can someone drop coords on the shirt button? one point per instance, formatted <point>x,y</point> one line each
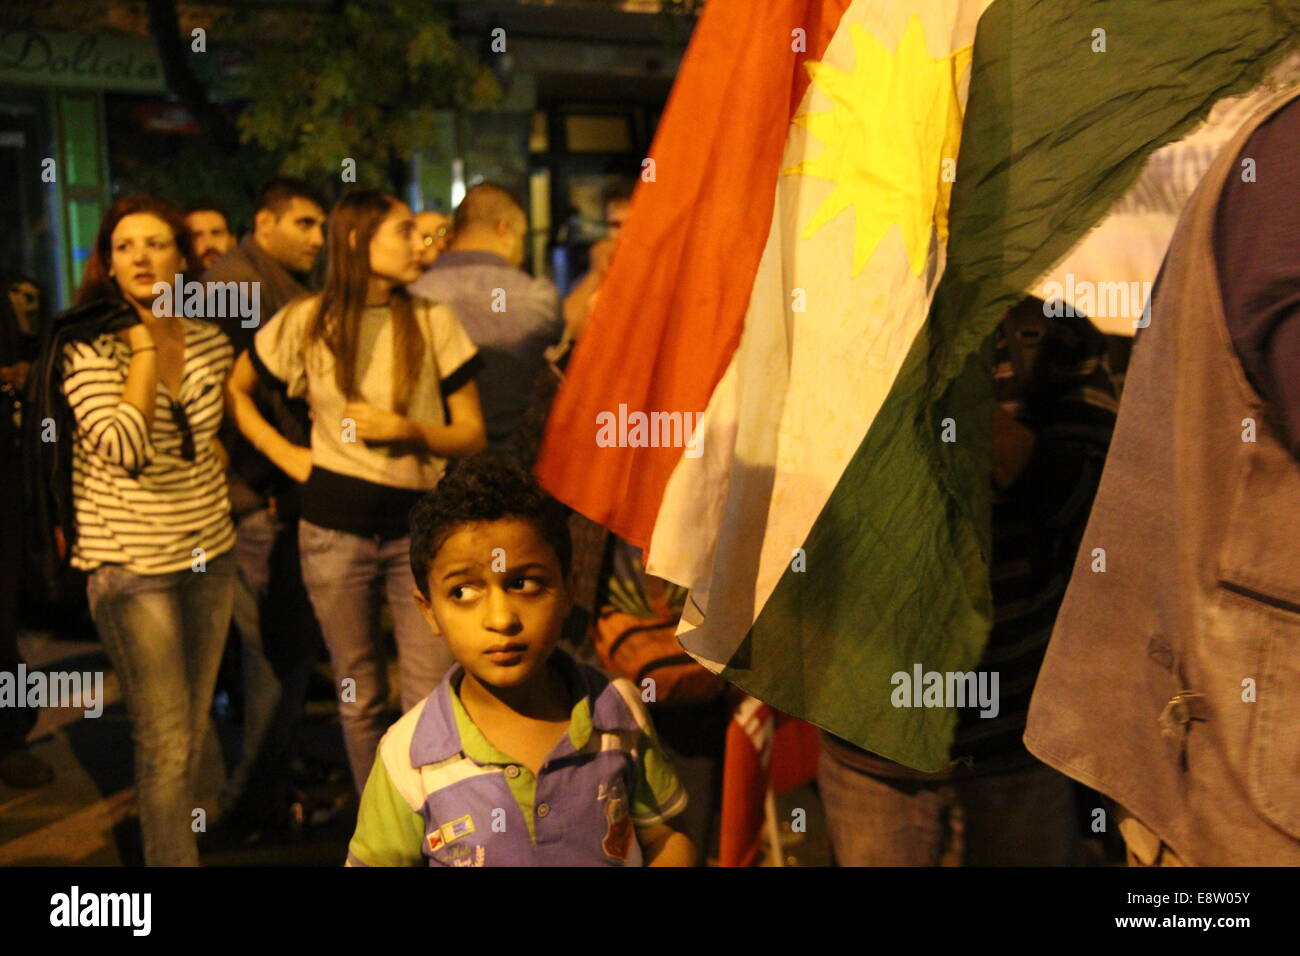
<point>512,771</point>
<point>543,809</point>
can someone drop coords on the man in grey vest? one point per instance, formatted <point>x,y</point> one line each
<point>1172,683</point>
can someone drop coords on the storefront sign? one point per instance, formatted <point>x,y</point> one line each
<point>49,58</point>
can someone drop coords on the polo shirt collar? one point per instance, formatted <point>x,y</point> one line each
<point>445,728</point>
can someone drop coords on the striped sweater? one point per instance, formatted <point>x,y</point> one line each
<point>140,502</point>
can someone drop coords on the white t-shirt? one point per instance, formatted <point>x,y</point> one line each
<point>284,359</point>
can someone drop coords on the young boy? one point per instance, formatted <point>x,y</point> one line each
<point>520,757</point>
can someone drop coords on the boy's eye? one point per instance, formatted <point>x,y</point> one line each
<point>464,592</point>
<point>526,585</point>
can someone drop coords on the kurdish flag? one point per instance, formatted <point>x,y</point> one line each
<point>845,197</point>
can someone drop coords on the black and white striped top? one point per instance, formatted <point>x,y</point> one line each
<point>139,502</point>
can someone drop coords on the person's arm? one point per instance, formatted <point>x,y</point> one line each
<point>389,832</point>
<point>465,436</point>
<point>142,375</point>
<point>293,460</point>
<point>543,314</point>
<point>580,301</point>
<point>220,451</point>
<point>1013,446</point>
<point>578,304</point>
<point>16,375</point>
<point>113,419</point>
<point>663,845</point>
<point>658,798</point>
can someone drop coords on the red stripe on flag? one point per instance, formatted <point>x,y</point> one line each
<point>764,748</point>
<point>671,310</point>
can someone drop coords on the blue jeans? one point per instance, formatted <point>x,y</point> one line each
<point>288,642</point>
<point>1022,818</point>
<point>255,534</point>
<point>164,634</point>
<point>343,573</point>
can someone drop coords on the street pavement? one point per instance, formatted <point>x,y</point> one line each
<point>88,815</point>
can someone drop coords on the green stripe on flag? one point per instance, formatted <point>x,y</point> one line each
<point>897,562</point>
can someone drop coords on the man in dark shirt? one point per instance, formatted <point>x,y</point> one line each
<point>1257,251</point>
<point>998,805</point>
<point>277,627</point>
<point>19,767</point>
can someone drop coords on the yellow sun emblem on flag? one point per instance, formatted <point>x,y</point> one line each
<point>896,119</point>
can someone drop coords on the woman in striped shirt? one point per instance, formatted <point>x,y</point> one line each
<point>153,519</point>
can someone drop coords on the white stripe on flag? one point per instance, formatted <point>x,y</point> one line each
<point>772,454</point>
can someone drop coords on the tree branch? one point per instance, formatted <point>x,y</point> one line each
<point>215,124</point>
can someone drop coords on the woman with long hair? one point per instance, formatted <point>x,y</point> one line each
<point>153,522</point>
<point>389,380</point>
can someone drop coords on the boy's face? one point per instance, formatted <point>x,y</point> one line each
<point>497,595</point>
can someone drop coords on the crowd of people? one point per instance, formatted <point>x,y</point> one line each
<point>371,435</point>
<point>279,457</point>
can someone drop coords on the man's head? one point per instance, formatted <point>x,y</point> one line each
<point>210,235</point>
<point>490,553</point>
<point>288,223</point>
<point>435,231</point>
<point>488,219</point>
<point>24,296</point>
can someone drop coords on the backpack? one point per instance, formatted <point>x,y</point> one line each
<point>635,634</point>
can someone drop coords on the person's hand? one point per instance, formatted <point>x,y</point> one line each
<point>602,253</point>
<point>376,425</point>
<point>137,336</point>
<point>297,463</point>
<point>15,375</point>
<point>1013,444</point>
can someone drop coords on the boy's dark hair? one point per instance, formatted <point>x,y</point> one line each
<point>486,487</point>
<point>275,195</point>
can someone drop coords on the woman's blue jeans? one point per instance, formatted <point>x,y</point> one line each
<point>164,634</point>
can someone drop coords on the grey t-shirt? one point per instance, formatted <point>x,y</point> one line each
<point>511,317</point>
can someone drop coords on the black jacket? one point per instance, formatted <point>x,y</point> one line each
<point>47,464</point>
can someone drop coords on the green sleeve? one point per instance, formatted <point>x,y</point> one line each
<point>659,795</point>
<point>389,832</point>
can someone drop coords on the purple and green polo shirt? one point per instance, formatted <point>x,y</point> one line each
<point>440,794</point>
